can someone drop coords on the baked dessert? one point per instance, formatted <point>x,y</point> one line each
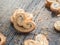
<point>57,25</point>
<point>55,7</point>
<point>49,2</point>
<point>30,42</point>
<point>41,39</point>
<point>20,15</point>
<point>23,21</point>
<point>2,39</point>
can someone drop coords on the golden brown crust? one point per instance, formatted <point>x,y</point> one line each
<point>22,29</point>
<point>29,16</point>
<point>19,16</point>
<point>55,7</point>
<point>20,19</point>
<point>30,42</point>
<point>49,2</point>
<point>29,25</point>
<point>42,39</point>
<point>57,25</point>
<point>47,5</point>
<point>2,39</point>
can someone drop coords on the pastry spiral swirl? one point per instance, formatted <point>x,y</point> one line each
<point>23,21</point>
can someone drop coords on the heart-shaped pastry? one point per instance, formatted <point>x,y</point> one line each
<point>23,21</point>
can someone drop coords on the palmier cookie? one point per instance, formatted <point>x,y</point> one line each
<point>20,20</point>
<point>30,42</point>
<point>49,2</point>
<point>42,39</point>
<point>57,25</point>
<point>55,7</point>
<point>2,39</point>
<point>19,16</point>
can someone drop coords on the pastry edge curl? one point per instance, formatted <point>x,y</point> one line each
<point>22,29</point>
<point>3,39</point>
<point>49,2</point>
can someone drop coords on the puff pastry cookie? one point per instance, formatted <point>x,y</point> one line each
<point>57,25</point>
<point>23,21</point>
<point>55,7</point>
<point>2,39</point>
<point>42,39</point>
